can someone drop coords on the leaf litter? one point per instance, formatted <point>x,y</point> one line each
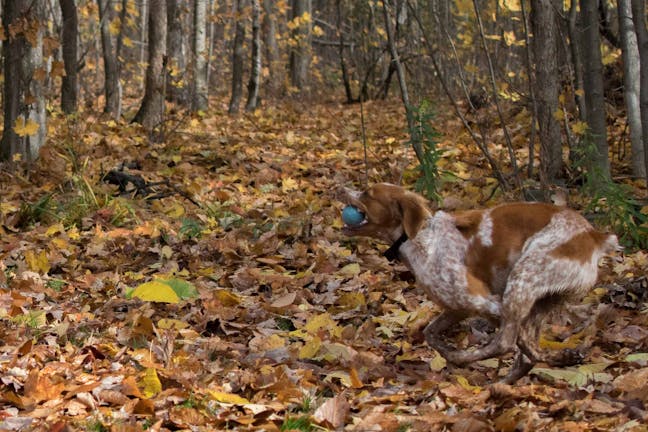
<point>245,308</point>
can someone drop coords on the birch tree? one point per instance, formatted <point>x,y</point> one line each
<point>631,89</point>
<point>199,91</point>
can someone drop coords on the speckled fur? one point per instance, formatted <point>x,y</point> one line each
<point>513,263</point>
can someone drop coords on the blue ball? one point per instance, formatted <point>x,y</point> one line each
<point>352,216</point>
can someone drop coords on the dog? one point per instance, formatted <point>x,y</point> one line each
<point>512,264</point>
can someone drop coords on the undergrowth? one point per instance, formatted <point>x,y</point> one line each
<point>612,204</point>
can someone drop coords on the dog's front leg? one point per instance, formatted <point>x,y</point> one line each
<point>433,331</point>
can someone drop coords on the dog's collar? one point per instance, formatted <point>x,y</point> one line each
<point>392,253</point>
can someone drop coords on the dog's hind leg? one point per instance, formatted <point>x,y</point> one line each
<point>529,337</point>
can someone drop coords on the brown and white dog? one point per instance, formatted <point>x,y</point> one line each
<point>512,264</point>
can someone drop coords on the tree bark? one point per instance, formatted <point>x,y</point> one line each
<point>631,89</point>
<point>69,88</point>
<point>14,49</point>
<point>200,89</point>
<point>593,87</point>
<point>255,67</point>
<point>270,43</point>
<point>151,112</point>
<point>300,54</point>
<point>23,101</point>
<point>638,16</point>
<point>237,59</point>
<point>177,91</point>
<point>543,23</point>
<point>112,86</point>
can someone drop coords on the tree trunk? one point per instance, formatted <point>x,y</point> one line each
<point>14,49</point>
<point>23,101</point>
<point>199,92</point>
<point>255,68</point>
<point>177,51</point>
<point>543,24</point>
<point>69,88</point>
<point>112,86</point>
<point>237,59</point>
<point>638,16</point>
<point>343,67</point>
<point>151,112</point>
<point>631,89</point>
<point>300,54</point>
<point>270,43</point>
<point>593,87</point>
<point>400,72</point>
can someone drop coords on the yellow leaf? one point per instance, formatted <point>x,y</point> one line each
<point>509,38</point>
<point>322,321</point>
<point>352,300</point>
<point>168,323</point>
<point>438,363</point>
<point>511,5</point>
<point>156,291</point>
<point>352,269</point>
<point>227,298</point>
<point>580,128</point>
<point>463,382</point>
<point>571,342</point>
<point>55,229</point>
<point>310,348</point>
<point>73,233</point>
<point>25,129</point>
<point>289,185</point>
<point>229,398</point>
<point>37,262</point>
<point>150,383</point>
<point>128,42</point>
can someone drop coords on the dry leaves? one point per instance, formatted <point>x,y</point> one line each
<point>247,309</point>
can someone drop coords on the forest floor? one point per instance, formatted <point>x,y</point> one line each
<point>218,293</point>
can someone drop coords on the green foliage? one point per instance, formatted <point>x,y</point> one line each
<point>226,218</point>
<point>302,423</point>
<point>191,228</point>
<point>425,138</point>
<point>612,203</point>
<point>38,211</point>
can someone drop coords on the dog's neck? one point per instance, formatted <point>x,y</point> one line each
<point>393,253</point>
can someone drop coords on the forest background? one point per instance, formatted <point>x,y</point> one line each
<point>170,254</point>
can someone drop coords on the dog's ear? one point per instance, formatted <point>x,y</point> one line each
<point>414,212</point>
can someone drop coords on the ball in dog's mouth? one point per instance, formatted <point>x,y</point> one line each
<point>352,216</point>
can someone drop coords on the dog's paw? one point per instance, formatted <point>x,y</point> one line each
<point>568,357</point>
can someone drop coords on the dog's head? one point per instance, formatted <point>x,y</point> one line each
<point>389,211</point>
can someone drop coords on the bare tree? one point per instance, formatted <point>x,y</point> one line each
<point>23,101</point>
<point>177,90</point>
<point>300,54</point>
<point>237,59</point>
<point>70,34</point>
<point>199,91</point>
<point>631,89</point>
<point>269,27</point>
<point>151,112</point>
<point>593,86</point>
<point>112,86</point>
<point>638,14</point>
<point>543,24</point>
<point>255,68</point>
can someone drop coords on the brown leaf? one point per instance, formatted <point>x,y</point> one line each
<point>333,412</point>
